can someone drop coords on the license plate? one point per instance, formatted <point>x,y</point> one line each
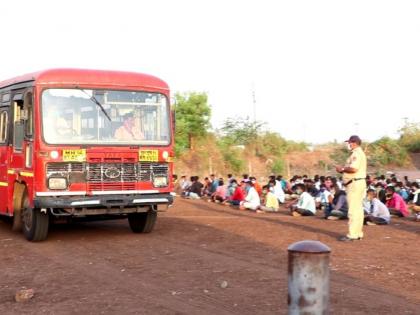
<point>148,156</point>
<point>74,155</point>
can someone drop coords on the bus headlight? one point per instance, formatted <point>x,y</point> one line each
<point>57,183</point>
<point>160,181</point>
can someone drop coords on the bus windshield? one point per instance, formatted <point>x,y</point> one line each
<point>81,116</point>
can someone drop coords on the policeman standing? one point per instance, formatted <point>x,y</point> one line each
<point>354,178</point>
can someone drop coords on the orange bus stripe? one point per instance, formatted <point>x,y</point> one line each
<point>26,174</point>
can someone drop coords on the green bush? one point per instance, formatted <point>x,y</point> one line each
<point>232,155</point>
<point>386,151</point>
<point>410,137</point>
<point>278,166</point>
<point>383,152</point>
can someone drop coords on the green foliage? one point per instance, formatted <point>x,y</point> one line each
<point>232,155</point>
<point>340,154</point>
<point>233,161</point>
<point>241,131</point>
<point>386,151</point>
<point>293,146</point>
<point>277,167</point>
<point>272,144</point>
<point>410,137</point>
<point>383,152</point>
<point>192,114</point>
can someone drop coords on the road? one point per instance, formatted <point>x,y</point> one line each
<point>103,268</point>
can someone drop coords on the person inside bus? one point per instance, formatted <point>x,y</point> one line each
<point>55,125</point>
<point>128,130</point>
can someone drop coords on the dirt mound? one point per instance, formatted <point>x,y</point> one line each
<point>313,162</point>
<point>415,158</point>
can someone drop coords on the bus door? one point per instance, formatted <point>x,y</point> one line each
<point>22,139</point>
<point>4,147</point>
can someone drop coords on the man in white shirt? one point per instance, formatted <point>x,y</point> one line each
<point>376,213</point>
<point>252,199</point>
<point>305,205</point>
<point>414,205</point>
<point>278,190</point>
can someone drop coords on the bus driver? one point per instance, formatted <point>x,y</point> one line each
<point>55,125</point>
<point>128,130</point>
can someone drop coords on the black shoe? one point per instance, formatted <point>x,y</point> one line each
<point>348,239</point>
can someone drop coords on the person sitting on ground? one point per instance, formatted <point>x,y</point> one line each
<point>229,187</point>
<point>339,205</point>
<point>214,184</point>
<point>257,186</point>
<point>184,183</point>
<point>206,187</point>
<point>230,178</point>
<point>220,194</point>
<point>252,199</point>
<point>238,194</point>
<point>395,203</point>
<point>278,191</point>
<point>283,182</point>
<point>305,205</point>
<point>380,191</point>
<point>324,199</point>
<point>376,212</point>
<point>271,203</point>
<point>310,188</point>
<point>186,192</point>
<point>407,182</point>
<point>317,181</point>
<point>195,190</point>
<point>414,205</point>
<point>393,181</point>
<point>400,190</point>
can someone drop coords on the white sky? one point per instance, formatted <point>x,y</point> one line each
<point>322,70</point>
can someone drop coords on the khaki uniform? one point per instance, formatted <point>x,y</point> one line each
<point>356,191</point>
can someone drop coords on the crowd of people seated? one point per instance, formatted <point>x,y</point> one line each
<point>304,196</point>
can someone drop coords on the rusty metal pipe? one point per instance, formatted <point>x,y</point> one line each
<point>309,278</point>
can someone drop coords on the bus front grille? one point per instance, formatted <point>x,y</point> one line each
<point>148,170</point>
<point>106,174</point>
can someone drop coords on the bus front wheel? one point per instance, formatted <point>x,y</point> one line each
<point>142,222</point>
<point>35,224</point>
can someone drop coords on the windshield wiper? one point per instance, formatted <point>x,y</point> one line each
<point>94,99</point>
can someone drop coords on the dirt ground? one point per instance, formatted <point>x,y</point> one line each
<point>103,268</point>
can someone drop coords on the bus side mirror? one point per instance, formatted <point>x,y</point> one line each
<point>173,119</point>
<point>173,111</point>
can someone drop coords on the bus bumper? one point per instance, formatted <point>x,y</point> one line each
<point>104,204</point>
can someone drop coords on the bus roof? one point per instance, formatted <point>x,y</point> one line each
<point>100,78</point>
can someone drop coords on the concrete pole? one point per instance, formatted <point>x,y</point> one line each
<point>309,278</point>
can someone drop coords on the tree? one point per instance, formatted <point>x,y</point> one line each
<point>386,151</point>
<point>192,114</point>
<point>410,137</point>
<point>241,131</point>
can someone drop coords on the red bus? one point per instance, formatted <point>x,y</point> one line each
<point>84,144</point>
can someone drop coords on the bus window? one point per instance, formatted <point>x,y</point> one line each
<point>3,125</point>
<point>5,98</point>
<point>113,117</point>
<point>28,115</point>
<point>18,126</point>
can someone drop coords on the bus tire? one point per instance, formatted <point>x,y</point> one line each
<point>18,199</point>
<point>35,223</point>
<point>142,222</point>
